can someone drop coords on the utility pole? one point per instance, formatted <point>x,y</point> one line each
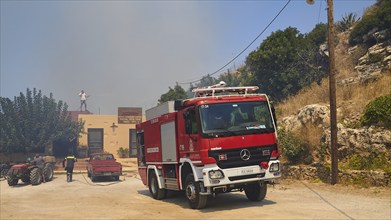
<point>332,91</point>
<point>333,96</point>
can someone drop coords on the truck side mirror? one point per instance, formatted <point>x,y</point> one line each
<point>178,104</point>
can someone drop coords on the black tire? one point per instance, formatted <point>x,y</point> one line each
<point>154,189</point>
<point>48,172</point>
<point>93,178</point>
<point>35,176</point>
<point>256,191</point>
<point>12,180</point>
<point>88,174</point>
<point>116,178</point>
<point>3,173</point>
<point>192,190</point>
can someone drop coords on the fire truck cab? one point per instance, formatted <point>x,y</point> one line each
<point>222,140</point>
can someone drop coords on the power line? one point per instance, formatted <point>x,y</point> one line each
<point>229,62</point>
<point>320,7</point>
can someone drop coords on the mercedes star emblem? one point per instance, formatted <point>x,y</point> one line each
<point>245,154</point>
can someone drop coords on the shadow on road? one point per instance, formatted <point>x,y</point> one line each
<point>221,202</point>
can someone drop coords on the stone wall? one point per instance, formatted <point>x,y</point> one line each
<point>361,177</point>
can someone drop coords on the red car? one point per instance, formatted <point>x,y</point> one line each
<point>103,165</point>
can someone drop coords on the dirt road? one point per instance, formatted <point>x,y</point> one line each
<point>129,199</point>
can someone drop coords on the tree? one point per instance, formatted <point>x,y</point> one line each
<point>285,62</point>
<point>31,121</point>
<point>376,18</point>
<point>177,93</point>
<point>348,20</point>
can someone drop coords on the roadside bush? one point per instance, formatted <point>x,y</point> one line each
<point>378,112</point>
<point>293,149</point>
<point>123,152</point>
<point>371,162</point>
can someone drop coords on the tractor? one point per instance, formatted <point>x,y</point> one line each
<point>30,173</point>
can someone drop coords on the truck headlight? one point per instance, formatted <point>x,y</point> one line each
<point>216,174</point>
<point>274,167</point>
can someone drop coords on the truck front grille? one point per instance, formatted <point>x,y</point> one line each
<point>232,158</point>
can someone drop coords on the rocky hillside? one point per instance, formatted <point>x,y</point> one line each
<point>363,75</point>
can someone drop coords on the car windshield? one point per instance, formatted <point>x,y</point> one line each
<point>229,119</point>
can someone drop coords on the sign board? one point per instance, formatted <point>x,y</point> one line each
<point>128,115</point>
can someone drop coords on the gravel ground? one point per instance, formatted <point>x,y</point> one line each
<point>130,199</point>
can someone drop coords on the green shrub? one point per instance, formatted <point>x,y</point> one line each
<point>371,162</point>
<point>379,18</point>
<point>123,152</point>
<point>293,149</point>
<point>378,112</point>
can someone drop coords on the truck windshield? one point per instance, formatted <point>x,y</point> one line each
<point>229,119</point>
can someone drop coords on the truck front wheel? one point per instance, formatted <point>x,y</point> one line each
<point>195,199</point>
<point>256,191</point>
<point>154,189</point>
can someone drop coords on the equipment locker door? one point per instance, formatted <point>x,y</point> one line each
<point>168,138</point>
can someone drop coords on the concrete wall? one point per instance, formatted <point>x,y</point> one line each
<point>113,137</point>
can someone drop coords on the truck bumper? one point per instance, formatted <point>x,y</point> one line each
<point>240,175</point>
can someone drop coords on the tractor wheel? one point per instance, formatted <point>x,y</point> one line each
<point>154,189</point>
<point>12,180</point>
<point>48,172</point>
<point>256,191</point>
<point>195,199</point>
<point>35,176</point>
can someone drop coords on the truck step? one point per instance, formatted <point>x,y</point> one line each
<point>171,183</point>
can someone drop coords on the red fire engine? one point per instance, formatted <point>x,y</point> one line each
<point>222,140</point>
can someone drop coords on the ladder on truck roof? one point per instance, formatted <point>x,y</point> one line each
<point>215,91</point>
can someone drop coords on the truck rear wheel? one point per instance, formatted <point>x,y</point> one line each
<point>256,191</point>
<point>35,176</point>
<point>48,172</point>
<point>154,189</point>
<point>195,199</point>
<point>12,180</point>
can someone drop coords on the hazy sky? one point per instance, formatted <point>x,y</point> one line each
<point>127,53</point>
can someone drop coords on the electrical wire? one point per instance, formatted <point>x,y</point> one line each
<point>229,62</point>
<point>320,8</point>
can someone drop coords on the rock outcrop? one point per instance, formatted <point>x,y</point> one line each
<point>316,114</point>
<point>374,63</point>
<point>363,141</point>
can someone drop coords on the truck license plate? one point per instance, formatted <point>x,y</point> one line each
<point>246,171</point>
<point>107,174</point>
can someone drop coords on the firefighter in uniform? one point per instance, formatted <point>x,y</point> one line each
<point>70,162</point>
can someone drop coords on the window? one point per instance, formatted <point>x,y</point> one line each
<point>236,118</point>
<point>190,121</point>
<point>141,149</point>
<point>132,143</point>
<point>95,140</point>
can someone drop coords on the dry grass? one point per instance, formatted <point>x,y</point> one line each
<point>310,95</point>
<point>350,99</point>
<point>353,99</point>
